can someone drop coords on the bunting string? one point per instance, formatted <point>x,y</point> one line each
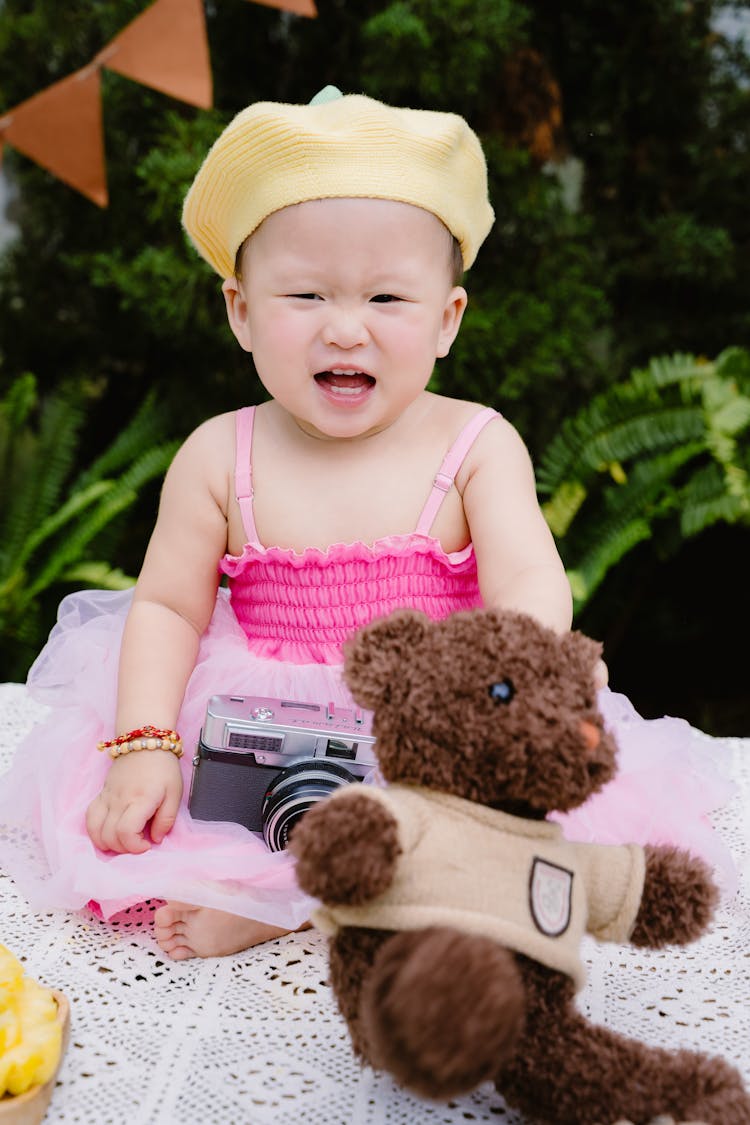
<point>165,47</point>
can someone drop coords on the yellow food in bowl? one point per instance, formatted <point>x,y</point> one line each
<point>30,1032</point>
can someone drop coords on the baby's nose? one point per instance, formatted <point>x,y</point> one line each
<point>345,327</point>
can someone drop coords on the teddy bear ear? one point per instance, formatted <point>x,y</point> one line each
<point>582,649</point>
<point>376,658</point>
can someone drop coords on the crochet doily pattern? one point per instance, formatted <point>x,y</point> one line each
<point>256,1039</point>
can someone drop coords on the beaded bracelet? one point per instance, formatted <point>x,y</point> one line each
<point>143,738</point>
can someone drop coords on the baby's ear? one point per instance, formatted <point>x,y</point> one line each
<point>237,310</point>
<point>376,658</point>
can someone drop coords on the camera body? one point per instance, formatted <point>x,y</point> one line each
<point>263,762</point>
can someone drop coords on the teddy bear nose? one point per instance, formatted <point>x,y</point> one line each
<point>591,734</point>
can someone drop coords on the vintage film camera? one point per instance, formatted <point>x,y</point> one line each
<point>263,762</point>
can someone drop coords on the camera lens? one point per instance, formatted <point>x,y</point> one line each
<point>293,791</point>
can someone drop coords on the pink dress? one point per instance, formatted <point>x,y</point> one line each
<point>277,630</point>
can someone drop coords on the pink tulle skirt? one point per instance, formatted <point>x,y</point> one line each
<point>668,780</point>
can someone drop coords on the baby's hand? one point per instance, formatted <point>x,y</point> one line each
<point>601,674</point>
<point>143,786</point>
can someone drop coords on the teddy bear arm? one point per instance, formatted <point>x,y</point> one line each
<point>679,898</point>
<point>346,849</point>
<point>613,877</point>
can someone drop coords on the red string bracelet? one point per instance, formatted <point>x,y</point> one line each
<point>143,738</point>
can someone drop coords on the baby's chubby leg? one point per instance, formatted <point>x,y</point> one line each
<point>184,931</point>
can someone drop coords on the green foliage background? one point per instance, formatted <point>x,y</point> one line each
<point>624,239</point>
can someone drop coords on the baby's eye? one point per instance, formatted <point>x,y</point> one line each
<point>384,298</point>
<point>307,296</point>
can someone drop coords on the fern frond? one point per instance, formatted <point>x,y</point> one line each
<point>648,495</point>
<point>15,409</point>
<point>649,479</point>
<point>71,548</point>
<point>48,527</point>
<point>562,508</point>
<point>24,628</point>
<point>728,410</point>
<point>144,429</point>
<point>675,434</point>
<point>617,426</point>
<point>675,399</point>
<point>69,511</point>
<point>733,364</point>
<point>153,463</point>
<point>696,517</point>
<point>705,500</point>
<point>588,440</point>
<point>672,370</point>
<point>18,403</point>
<point>100,575</point>
<point>590,571</point>
<point>11,594</point>
<point>737,481</point>
<point>41,486</point>
<point>650,430</point>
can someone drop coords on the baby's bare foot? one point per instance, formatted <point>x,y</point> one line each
<point>184,931</point>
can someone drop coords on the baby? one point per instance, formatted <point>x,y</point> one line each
<point>341,231</point>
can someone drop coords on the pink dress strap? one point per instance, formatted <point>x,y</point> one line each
<point>243,471</point>
<point>451,464</point>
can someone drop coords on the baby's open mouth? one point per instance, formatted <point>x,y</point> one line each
<point>345,382</point>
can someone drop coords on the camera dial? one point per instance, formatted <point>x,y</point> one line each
<point>262,714</point>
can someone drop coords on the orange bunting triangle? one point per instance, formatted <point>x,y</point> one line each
<point>166,47</point>
<point>299,7</point>
<point>61,129</point>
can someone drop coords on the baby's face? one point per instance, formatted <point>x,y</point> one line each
<point>345,305</point>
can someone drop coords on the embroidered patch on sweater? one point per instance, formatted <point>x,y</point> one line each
<point>550,897</point>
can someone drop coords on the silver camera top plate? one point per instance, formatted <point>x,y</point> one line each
<point>273,730</point>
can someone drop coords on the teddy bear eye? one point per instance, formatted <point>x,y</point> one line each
<point>502,692</point>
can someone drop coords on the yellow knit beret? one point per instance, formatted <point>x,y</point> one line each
<point>272,155</point>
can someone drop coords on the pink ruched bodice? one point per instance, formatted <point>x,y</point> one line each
<point>302,607</point>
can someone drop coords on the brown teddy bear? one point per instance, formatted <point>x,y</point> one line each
<point>456,909</point>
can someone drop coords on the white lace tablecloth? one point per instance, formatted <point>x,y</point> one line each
<point>255,1039</point>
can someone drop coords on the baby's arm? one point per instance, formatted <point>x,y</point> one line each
<point>172,605</point>
<point>517,560</point>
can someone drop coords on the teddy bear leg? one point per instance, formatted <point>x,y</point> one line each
<point>568,1071</point>
<point>351,954</point>
<point>440,1009</point>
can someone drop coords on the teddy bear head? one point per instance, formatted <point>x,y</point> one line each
<point>486,705</point>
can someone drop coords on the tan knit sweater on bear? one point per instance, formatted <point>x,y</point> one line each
<point>485,872</point>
